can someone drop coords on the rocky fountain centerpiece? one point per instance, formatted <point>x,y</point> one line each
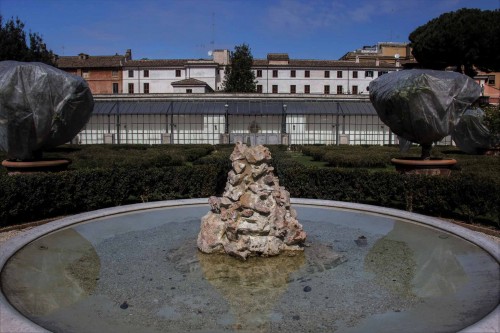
<point>254,216</point>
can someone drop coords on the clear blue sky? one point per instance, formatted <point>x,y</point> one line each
<point>168,29</point>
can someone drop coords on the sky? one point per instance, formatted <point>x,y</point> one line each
<point>188,29</point>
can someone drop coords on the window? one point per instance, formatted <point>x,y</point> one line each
<point>293,89</point>
<point>146,73</point>
<point>307,89</point>
<point>177,73</point>
<point>85,73</point>
<point>130,73</point>
<point>327,74</point>
<point>491,80</point>
<point>275,88</point>
<point>259,73</point>
<point>146,88</point>
<point>115,88</point>
<point>380,73</point>
<point>275,73</point>
<point>189,91</point>
<point>354,90</point>
<point>307,73</point>
<point>130,88</point>
<point>114,73</point>
<point>327,90</point>
<point>339,74</point>
<point>292,73</point>
<point>259,88</point>
<point>339,90</point>
<point>368,74</point>
<point>354,74</point>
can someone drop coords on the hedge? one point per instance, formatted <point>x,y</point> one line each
<point>38,196</point>
<point>464,196</point>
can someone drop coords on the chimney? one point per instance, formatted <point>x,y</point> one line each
<point>357,59</point>
<point>398,64</point>
<point>377,62</point>
<point>128,54</point>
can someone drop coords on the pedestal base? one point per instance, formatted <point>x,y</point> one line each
<point>16,167</point>
<point>424,167</point>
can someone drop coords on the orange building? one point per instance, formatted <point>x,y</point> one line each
<point>102,73</point>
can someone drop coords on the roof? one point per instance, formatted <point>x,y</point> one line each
<point>277,56</point>
<point>159,63</point>
<point>239,107</point>
<point>304,63</point>
<point>85,61</point>
<point>190,82</point>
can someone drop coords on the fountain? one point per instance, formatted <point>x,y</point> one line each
<point>139,267</point>
<point>253,217</point>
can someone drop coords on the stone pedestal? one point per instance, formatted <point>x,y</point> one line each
<point>431,167</point>
<point>19,167</point>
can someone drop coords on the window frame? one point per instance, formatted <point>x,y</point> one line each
<point>275,73</point>
<point>326,89</point>
<point>130,88</point>
<point>293,89</point>
<point>178,73</point>
<point>327,74</point>
<point>340,74</point>
<point>274,89</point>
<point>145,87</point>
<point>307,73</point>
<point>130,73</point>
<point>307,89</point>
<point>293,73</point>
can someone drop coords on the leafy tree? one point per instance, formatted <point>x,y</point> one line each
<point>466,39</point>
<point>13,45</point>
<point>239,76</point>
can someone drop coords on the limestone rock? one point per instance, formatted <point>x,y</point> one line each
<point>253,217</point>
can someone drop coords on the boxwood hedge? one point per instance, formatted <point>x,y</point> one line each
<point>465,196</point>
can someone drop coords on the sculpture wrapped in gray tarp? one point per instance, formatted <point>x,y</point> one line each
<point>422,106</point>
<point>40,107</point>
<point>470,134</point>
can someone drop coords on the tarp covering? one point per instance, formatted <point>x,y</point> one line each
<point>422,106</point>
<point>470,134</point>
<point>40,107</point>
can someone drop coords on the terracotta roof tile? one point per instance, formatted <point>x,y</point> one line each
<point>189,82</point>
<point>90,61</point>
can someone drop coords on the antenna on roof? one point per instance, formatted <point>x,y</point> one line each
<point>212,41</point>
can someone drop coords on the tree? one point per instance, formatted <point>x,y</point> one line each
<point>466,39</point>
<point>13,45</point>
<point>238,75</point>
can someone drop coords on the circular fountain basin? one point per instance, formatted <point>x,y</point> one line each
<point>136,268</point>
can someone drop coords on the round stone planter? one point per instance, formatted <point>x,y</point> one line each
<point>47,165</point>
<point>435,167</point>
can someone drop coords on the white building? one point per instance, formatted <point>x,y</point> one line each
<point>277,74</point>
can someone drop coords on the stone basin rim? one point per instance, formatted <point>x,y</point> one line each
<point>13,321</point>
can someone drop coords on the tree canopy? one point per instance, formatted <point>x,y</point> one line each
<point>239,76</point>
<point>466,38</point>
<point>15,46</point>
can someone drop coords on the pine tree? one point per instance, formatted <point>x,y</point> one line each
<point>238,75</point>
<point>13,44</point>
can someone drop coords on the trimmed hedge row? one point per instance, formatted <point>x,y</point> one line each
<point>464,196</point>
<point>460,196</point>
<point>38,196</point>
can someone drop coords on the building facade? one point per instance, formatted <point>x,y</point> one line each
<point>277,74</point>
<point>104,74</point>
